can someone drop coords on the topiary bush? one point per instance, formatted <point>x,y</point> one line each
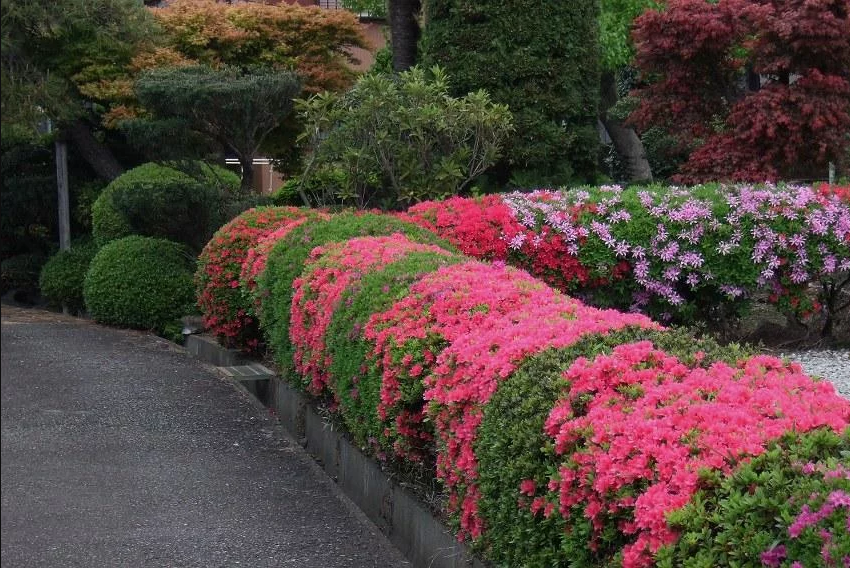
<point>157,200</point>
<point>286,262</point>
<point>513,425</point>
<point>788,506</point>
<point>228,309</point>
<point>62,277</point>
<point>561,434</point>
<point>140,282</point>
<point>356,369</point>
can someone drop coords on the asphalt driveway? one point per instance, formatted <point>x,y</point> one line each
<point>120,450</point>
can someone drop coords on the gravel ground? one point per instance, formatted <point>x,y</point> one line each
<point>830,364</point>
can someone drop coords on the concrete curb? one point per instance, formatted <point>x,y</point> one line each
<point>395,510</point>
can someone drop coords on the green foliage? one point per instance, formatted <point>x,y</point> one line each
<point>20,273</point>
<point>63,276</point>
<point>615,24</point>
<point>287,194</point>
<point>367,8</point>
<point>376,292</point>
<point>160,201</point>
<point>140,282</point>
<point>28,216</point>
<point>513,426</point>
<point>286,262</point>
<point>236,109</point>
<point>51,50</point>
<point>539,58</point>
<point>750,512</point>
<point>399,139</point>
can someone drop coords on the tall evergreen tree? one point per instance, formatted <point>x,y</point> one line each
<point>539,58</point>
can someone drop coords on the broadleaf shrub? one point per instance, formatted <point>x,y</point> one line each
<point>286,262</point>
<point>358,375</point>
<point>513,425</point>
<point>682,255</point>
<point>20,272</point>
<point>140,282</point>
<point>227,308</point>
<point>562,434</point>
<point>156,200</point>
<point>401,139</point>
<point>788,506</point>
<point>63,276</point>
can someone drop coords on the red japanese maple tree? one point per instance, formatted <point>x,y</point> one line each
<point>757,89</point>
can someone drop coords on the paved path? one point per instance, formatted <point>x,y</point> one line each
<point>119,450</point>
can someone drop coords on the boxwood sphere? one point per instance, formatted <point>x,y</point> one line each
<point>156,200</point>
<point>62,278</point>
<point>140,282</point>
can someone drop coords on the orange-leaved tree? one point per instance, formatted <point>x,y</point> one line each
<point>308,40</point>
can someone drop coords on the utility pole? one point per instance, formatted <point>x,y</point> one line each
<point>64,201</point>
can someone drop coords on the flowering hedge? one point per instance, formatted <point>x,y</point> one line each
<point>286,261</point>
<point>562,433</point>
<point>226,308</point>
<point>700,253</point>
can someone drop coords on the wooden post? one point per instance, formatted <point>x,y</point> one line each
<point>64,201</point>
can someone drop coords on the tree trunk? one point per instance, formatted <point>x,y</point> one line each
<point>247,164</point>
<point>98,156</point>
<point>404,33</point>
<point>627,143</point>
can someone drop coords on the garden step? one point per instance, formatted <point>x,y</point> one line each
<point>252,372</point>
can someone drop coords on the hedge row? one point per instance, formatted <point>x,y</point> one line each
<point>681,255</point>
<point>563,434</point>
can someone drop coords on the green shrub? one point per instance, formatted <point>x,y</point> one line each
<point>376,292</point>
<point>513,426</point>
<point>771,507</point>
<point>20,272</point>
<point>63,276</point>
<point>155,200</point>
<point>399,139</point>
<point>539,58</point>
<point>140,282</point>
<point>287,258</point>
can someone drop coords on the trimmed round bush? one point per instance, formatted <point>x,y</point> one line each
<point>513,425</point>
<point>227,305</point>
<point>356,374</point>
<point>287,259</point>
<point>789,505</point>
<point>561,434</point>
<point>140,282</point>
<point>155,200</point>
<point>63,276</point>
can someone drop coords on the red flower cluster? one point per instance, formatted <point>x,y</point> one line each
<point>221,300</point>
<point>487,229</point>
<point>638,425</point>
<point>330,270</point>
